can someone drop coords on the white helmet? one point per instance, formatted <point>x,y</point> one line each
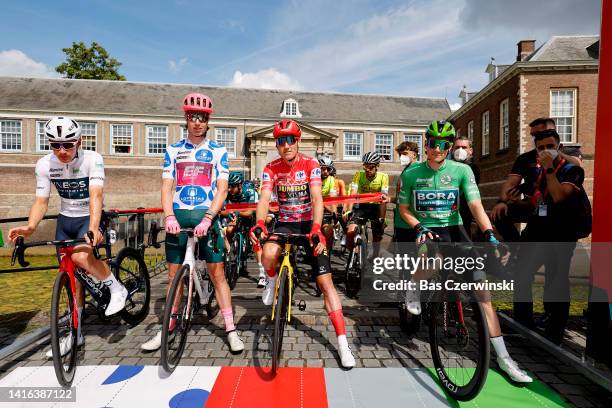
<point>62,129</point>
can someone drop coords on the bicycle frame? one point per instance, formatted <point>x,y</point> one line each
<point>286,263</point>
<point>194,277</point>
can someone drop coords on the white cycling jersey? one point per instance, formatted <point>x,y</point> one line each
<point>72,180</point>
<point>196,170</point>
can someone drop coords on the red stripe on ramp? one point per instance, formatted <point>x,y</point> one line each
<point>255,387</point>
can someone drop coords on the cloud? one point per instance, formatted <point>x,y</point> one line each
<point>17,63</point>
<point>548,17</point>
<point>175,66</point>
<point>454,106</point>
<point>266,79</point>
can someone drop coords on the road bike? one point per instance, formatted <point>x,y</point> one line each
<point>357,258</point>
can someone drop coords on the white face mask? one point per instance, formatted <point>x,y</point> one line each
<point>460,155</point>
<point>405,159</point>
<point>554,153</point>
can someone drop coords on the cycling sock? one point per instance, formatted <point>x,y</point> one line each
<point>342,341</point>
<point>114,285</point>
<point>262,271</point>
<point>228,317</point>
<point>271,272</point>
<point>79,312</point>
<point>500,346</point>
<point>337,319</point>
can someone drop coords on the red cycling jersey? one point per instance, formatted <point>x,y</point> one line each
<point>292,184</point>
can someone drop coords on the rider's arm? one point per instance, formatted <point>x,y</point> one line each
<point>166,196</point>
<point>95,207</point>
<point>317,203</point>
<point>37,212</point>
<point>385,191</point>
<point>264,203</point>
<point>562,190</point>
<point>407,215</point>
<point>353,189</point>
<point>479,214</point>
<point>571,159</point>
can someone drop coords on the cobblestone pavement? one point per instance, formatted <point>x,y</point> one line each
<point>372,330</point>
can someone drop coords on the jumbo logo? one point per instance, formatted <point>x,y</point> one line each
<point>300,175</point>
<point>205,156</point>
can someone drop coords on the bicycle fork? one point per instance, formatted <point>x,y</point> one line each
<point>284,265</point>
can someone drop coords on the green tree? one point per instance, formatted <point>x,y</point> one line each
<point>93,62</point>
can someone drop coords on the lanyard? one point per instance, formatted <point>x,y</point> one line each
<point>537,194</point>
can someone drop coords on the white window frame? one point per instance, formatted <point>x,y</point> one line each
<point>4,133</point>
<point>359,143</point>
<point>418,139</point>
<point>163,139</point>
<point>231,152</point>
<point>184,133</point>
<point>40,134</point>
<point>486,130</point>
<point>290,109</point>
<point>504,124</point>
<point>554,114</point>
<point>470,130</point>
<point>388,144</point>
<point>89,138</point>
<point>112,137</point>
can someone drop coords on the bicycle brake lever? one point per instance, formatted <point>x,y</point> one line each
<point>94,248</point>
<point>19,253</point>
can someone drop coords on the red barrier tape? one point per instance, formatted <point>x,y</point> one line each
<point>355,198</point>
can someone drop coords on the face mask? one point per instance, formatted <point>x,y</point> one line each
<point>460,155</point>
<point>553,153</point>
<point>405,160</point>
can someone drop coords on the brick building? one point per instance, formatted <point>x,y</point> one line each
<point>130,124</point>
<point>558,80</point>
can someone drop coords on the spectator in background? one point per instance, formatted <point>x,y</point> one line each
<point>408,153</point>
<point>462,152</point>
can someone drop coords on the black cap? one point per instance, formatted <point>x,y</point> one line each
<point>546,133</point>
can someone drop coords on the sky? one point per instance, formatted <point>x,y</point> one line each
<point>426,48</point>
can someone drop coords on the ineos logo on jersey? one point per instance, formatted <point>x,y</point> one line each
<point>70,185</point>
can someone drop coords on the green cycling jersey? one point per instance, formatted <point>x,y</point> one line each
<point>433,195</point>
<point>361,184</point>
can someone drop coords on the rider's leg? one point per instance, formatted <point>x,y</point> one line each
<point>269,259</point>
<point>350,236</point>
<point>328,231</point>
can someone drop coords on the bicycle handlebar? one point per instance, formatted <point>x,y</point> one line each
<point>21,246</point>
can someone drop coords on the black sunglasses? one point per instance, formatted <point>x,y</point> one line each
<point>290,140</point>
<point>62,145</point>
<point>201,116</point>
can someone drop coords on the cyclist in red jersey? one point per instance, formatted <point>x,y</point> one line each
<point>296,178</point>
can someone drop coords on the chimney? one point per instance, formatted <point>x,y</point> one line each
<point>525,49</point>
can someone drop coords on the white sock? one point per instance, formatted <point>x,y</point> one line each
<point>114,286</point>
<point>499,346</point>
<point>342,341</point>
<point>79,312</point>
<point>262,271</point>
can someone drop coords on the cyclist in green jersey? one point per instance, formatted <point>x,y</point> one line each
<point>368,180</point>
<point>429,203</point>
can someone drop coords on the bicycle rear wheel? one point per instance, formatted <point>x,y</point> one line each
<point>280,318</point>
<point>63,330</point>
<point>459,341</point>
<point>131,270</point>
<point>176,310</point>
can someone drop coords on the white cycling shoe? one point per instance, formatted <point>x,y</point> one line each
<point>268,293</point>
<point>413,301</point>
<point>153,344</point>
<point>262,277</point>
<point>510,367</point>
<point>66,345</point>
<point>346,357</point>
<point>235,343</point>
<point>117,301</point>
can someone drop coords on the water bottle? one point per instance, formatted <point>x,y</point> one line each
<point>112,236</point>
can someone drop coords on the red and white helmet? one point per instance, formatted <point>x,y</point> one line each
<point>197,102</point>
<point>287,128</point>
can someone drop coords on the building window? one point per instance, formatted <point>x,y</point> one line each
<point>470,130</point>
<point>383,144</point>
<point>122,136</point>
<point>42,141</point>
<point>418,139</point>
<point>89,132</point>
<point>227,137</point>
<point>10,135</point>
<point>290,109</point>
<point>353,145</point>
<point>504,125</point>
<point>485,133</point>
<point>184,132</point>
<point>157,139</point>
<point>563,111</point>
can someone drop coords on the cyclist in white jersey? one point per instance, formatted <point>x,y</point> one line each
<point>194,189</point>
<point>78,176</point>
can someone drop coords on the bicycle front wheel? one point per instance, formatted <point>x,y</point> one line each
<point>280,318</point>
<point>63,330</point>
<point>178,315</point>
<point>131,270</point>
<point>459,341</point>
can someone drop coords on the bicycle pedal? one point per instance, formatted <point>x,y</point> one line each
<point>302,305</point>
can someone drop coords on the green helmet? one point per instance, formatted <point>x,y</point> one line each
<point>441,129</point>
<point>235,177</point>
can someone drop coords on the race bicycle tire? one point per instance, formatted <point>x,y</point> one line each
<point>136,282</point>
<point>65,366</point>
<point>171,357</point>
<point>452,372</point>
<point>280,318</point>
